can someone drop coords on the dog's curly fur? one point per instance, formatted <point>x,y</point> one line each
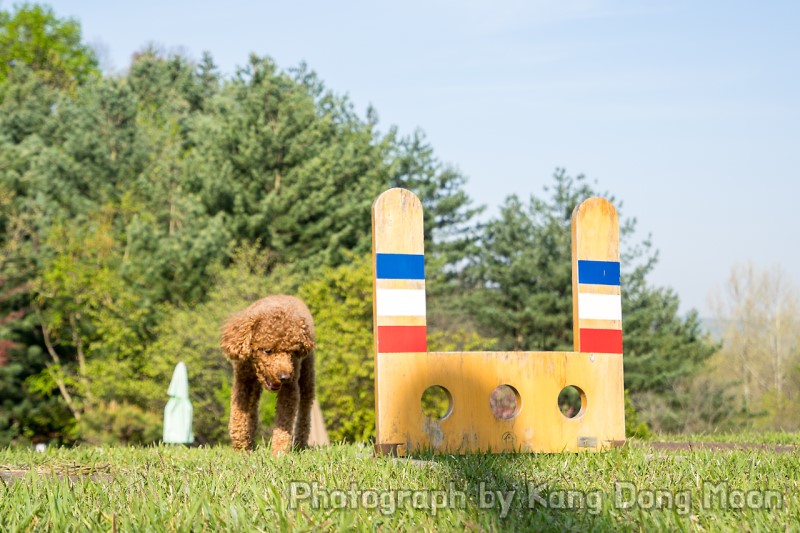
<point>271,344</point>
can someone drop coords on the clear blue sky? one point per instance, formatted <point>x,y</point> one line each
<point>688,111</point>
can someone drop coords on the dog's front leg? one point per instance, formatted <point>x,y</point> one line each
<point>306,382</point>
<point>244,406</point>
<point>285,415</point>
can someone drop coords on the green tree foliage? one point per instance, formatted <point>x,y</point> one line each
<point>520,276</point>
<point>448,211</point>
<point>33,37</point>
<point>289,164</point>
<point>340,299</point>
<point>95,233</point>
<point>450,231</point>
<point>634,425</point>
<point>138,211</point>
<point>26,416</point>
<point>520,292</point>
<point>123,198</point>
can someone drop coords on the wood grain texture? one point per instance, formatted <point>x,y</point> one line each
<point>400,284</point>
<point>470,377</point>
<point>585,288</point>
<point>397,223</point>
<point>400,321</point>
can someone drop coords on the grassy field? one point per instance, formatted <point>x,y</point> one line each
<point>633,488</point>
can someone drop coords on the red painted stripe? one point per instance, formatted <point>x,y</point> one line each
<point>601,340</point>
<point>395,339</point>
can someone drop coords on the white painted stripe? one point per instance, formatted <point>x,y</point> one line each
<point>599,306</point>
<point>400,302</point>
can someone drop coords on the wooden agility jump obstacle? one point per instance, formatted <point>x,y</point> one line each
<point>404,368</point>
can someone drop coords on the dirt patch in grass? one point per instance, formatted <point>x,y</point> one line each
<point>720,446</point>
<point>72,474</point>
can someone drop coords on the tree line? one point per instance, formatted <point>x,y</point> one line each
<point>138,210</point>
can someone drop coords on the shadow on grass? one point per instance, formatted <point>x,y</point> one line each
<point>506,492</point>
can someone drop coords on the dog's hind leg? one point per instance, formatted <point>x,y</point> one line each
<point>244,406</point>
<point>306,383</point>
<point>285,414</point>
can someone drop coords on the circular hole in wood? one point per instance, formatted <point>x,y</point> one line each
<point>437,402</point>
<point>505,402</point>
<point>571,401</point>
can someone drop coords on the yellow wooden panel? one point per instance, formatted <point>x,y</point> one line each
<point>586,288</point>
<point>595,231</point>
<point>470,378</point>
<point>397,223</point>
<point>400,284</point>
<point>400,321</point>
<point>601,324</point>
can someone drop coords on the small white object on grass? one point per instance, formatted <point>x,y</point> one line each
<point>178,411</point>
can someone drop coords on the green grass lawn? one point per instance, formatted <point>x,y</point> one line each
<point>344,487</point>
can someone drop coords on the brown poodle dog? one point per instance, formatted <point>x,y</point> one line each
<point>271,344</point>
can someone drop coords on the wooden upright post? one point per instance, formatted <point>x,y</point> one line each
<point>399,314</point>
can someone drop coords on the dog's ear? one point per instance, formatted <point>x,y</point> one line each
<point>307,344</point>
<point>237,335</point>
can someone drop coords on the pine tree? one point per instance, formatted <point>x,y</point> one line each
<point>125,196</point>
<point>518,288</point>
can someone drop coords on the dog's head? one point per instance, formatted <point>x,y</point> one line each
<point>274,335</point>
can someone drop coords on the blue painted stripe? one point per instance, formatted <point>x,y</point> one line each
<point>598,272</point>
<point>400,266</point>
